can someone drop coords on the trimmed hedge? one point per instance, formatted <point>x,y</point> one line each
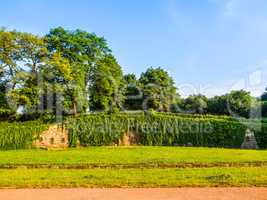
<point>19,135</point>
<point>158,129</point>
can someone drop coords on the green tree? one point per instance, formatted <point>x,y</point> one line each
<point>239,103</point>
<point>107,85</point>
<point>264,95</point>
<point>158,89</point>
<point>81,50</point>
<point>9,58</point>
<point>133,93</point>
<point>33,52</point>
<point>195,104</point>
<point>218,105</point>
<point>21,57</point>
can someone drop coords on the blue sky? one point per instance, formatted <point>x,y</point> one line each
<point>208,46</point>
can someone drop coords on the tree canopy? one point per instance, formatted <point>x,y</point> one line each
<point>74,71</point>
<point>159,91</point>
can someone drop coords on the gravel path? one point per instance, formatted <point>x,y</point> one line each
<point>135,194</point>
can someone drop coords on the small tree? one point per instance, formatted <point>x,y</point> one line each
<point>195,104</point>
<point>133,92</point>
<point>158,89</point>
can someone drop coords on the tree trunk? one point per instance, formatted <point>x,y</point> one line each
<point>74,104</point>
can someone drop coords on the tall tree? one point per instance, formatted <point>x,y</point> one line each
<point>33,53</point>
<point>9,57</point>
<point>158,89</point>
<point>107,85</point>
<point>81,50</point>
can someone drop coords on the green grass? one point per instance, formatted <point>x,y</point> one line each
<point>135,157</point>
<point>194,177</point>
<point>133,167</point>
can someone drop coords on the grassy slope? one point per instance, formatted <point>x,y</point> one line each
<point>133,167</point>
<point>144,156</point>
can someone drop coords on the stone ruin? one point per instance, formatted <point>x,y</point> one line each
<point>129,139</point>
<point>249,141</point>
<point>55,137</point>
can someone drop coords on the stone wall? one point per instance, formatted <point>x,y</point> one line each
<point>55,137</point>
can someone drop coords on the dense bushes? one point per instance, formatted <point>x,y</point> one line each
<point>150,128</point>
<point>157,129</point>
<point>96,129</point>
<point>6,113</point>
<point>18,135</point>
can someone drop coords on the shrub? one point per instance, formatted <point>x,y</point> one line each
<point>5,114</point>
<point>18,135</point>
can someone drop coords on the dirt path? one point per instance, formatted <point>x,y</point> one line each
<point>135,194</point>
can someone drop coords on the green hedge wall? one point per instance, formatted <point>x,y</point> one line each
<point>19,135</point>
<point>158,129</point>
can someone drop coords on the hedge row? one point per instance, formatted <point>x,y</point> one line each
<point>19,135</point>
<point>158,129</point>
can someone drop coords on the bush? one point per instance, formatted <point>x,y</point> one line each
<point>18,135</point>
<point>5,114</point>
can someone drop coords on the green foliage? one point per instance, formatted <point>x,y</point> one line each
<point>18,135</point>
<point>73,71</point>
<point>107,85</point>
<point>264,95</point>
<point>195,104</point>
<point>74,55</point>
<point>22,55</point>
<point>5,113</point>
<point>239,103</point>
<point>38,68</point>
<point>261,135</point>
<point>133,93</point>
<point>158,89</point>
<point>158,129</point>
<point>96,130</point>
<point>218,105</point>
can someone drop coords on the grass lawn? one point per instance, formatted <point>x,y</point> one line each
<point>200,177</point>
<point>135,157</point>
<point>133,167</point>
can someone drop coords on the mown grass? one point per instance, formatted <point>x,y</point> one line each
<point>133,167</point>
<point>193,177</point>
<point>134,157</point>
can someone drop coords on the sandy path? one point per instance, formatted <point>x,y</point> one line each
<point>135,194</point>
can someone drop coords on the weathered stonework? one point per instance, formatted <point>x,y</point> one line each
<point>249,141</point>
<point>55,137</point>
<point>128,139</point>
